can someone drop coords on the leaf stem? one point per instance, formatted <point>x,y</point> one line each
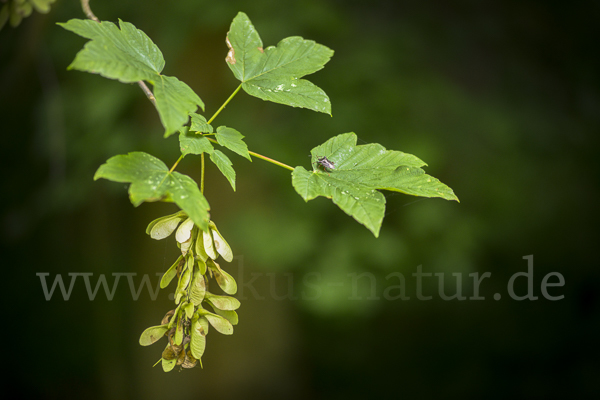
<point>272,161</point>
<point>251,152</point>
<point>176,162</point>
<point>202,173</point>
<point>208,122</point>
<point>224,104</point>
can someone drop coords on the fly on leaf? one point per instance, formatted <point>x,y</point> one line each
<point>325,163</point>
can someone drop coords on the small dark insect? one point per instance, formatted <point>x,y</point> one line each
<point>325,163</point>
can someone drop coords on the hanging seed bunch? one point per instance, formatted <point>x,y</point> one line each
<point>187,325</point>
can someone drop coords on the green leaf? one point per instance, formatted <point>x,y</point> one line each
<point>232,139</point>
<point>199,124</point>
<point>174,101</point>
<point>193,143</point>
<point>273,73</point>
<point>293,92</point>
<point>151,181</point>
<point>128,55</point>
<point>153,334</point>
<point>358,173</point>
<point>367,206</point>
<point>224,164</point>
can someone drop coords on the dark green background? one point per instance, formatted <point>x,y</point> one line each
<point>500,98</point>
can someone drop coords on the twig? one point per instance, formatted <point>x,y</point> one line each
<point>147,91</point>
<point>85,4</point>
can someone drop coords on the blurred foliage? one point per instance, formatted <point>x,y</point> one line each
<point>13,11</point>
<point>501,98</point>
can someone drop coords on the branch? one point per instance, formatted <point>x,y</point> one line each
<point>85,5</point>
<point>147,91</point>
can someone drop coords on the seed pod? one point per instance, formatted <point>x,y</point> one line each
<point>167,317</point>
<point>184,232</point>
<point>181,358</point>
<point>198,288</point>
<point>219,323</point>
<point>169,353</point>
<point>224,280</point>
<point>223,302</point>
<point>178,337</point>
<point>171,273</point>
<point>199,246</point>
<point>153,334</point>
<point>190,361</point>
<point>163,227</point>
<point>220,243</point>
<point>209,245</point>
<point>174,317</point>
<point>188,308</point>
<point>168,365</point>
<point>184,280</point>
<point>230,316</point>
